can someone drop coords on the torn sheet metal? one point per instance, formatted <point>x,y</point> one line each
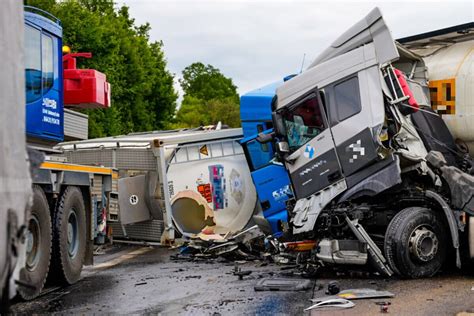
<point>248,234</point>
<point>307,210</point>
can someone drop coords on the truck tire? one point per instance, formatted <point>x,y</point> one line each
<point>415,242</point>
<point>69,236</point>
<point>38,247</point>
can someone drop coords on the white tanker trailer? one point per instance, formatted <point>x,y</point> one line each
<point>449,58</point>
<point>192,180</point>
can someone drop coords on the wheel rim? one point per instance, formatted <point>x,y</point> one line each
<point>72,233</point>
<point>423,243</point>
<point>32,243</point>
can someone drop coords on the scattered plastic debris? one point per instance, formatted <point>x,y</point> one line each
<point>332,303</point>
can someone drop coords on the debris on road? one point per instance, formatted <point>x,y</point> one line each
<point>238,272</point>
<point>333,288</point>
<point>141,283</point>
<point>332,303</point>
<point>283,284</point>
<point>357,294</point>
<point>383,306</point>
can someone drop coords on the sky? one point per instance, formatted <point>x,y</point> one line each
<point>258,42</point>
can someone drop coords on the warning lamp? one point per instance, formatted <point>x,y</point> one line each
<point>66,49</point>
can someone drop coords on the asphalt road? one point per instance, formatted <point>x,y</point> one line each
<point>144,280</point>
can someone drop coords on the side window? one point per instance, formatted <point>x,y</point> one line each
<point>303,122</point>
<point>258,157</point>
<point>32,64</point>
<point>259,130</point>
<point>347,98</point>
<point>47,61</point>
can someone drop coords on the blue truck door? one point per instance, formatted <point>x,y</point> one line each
<point>270,179</point>
<point>52,106</point>
<point>43,85</point>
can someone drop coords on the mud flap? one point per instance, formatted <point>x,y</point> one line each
<point>374,251</point>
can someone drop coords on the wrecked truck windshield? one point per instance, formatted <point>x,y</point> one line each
<point>303,122</point>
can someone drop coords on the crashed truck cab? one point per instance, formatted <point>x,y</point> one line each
<point>355,124</point>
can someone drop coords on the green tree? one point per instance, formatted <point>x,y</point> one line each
<point>209,97</point>
<point>206,83</point>
<point>143,97</point>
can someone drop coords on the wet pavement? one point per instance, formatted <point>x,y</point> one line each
<point>149,282</point>
<point>447,294</point>
<point>141,280</point>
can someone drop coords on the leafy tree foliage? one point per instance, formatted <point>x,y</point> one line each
<point>206,83</point>
<point>209,97</point>
<point>143,97</point>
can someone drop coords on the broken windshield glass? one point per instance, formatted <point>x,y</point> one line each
<point>303,122</point>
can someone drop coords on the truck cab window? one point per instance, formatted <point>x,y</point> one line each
<point>303,122</point>
<point>256,155</point>
<point>47,61</point>
<point>347,98</point>
<point>32,63</point>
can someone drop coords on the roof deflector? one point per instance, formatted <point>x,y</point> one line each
<point>372,28</point>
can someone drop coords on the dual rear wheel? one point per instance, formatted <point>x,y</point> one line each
<point>55,242</point>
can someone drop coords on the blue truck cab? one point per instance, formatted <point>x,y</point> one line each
<point>270,178</point>
<point>43,76</point>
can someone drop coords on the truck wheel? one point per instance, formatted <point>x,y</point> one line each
<point>38,247</point>
<point>69,235</point>
<point>415,242</point>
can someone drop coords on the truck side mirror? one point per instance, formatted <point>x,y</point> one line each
<point>278,123</point>
<point>263,138</point>
<point>283,147</point>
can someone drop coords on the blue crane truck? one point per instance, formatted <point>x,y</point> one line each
<point>70,202</point>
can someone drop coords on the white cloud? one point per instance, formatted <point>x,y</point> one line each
<point>257,42</point>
